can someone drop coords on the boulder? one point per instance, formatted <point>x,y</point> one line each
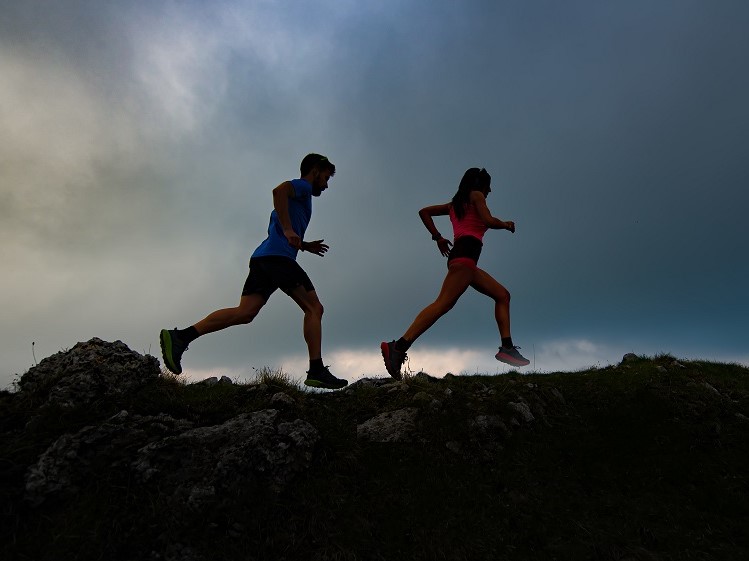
<point>391,426</point>
<point>88,372</point>
<point>629,357</point>
<point>192,465</point>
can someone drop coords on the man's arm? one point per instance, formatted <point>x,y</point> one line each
<point>281,196</point>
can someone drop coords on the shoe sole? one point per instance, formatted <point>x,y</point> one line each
<point>512,361</point>
<point>318,384</point>
<point>165,340</point>
<point>385,348</point>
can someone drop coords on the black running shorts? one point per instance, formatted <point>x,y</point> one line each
<point>466,247</point>
<point>273,271</point>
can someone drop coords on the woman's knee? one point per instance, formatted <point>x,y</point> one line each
<point>443,306</point>
<point>503,297</point>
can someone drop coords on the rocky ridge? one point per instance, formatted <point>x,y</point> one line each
<point>102,455</point>
<point>196,465</point>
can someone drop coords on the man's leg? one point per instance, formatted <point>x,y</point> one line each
<point>313,311</point>
<point>174,342</point>
<point>318,375</point>
<point>249,306</point>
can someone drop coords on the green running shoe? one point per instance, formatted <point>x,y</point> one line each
<point>172,348</point>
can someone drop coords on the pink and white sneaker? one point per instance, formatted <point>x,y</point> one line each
<point>511,356</point>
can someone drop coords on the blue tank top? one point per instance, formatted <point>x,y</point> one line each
<point>300,212</point>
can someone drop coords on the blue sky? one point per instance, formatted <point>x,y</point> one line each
<point>141,142</point>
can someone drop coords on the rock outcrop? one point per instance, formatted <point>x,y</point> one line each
<point>89,371</point>
<point>194,465</point>
<point>103,457</point>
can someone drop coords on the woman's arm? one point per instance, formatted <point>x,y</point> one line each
<point>479,202</point>
<point>426,215</point>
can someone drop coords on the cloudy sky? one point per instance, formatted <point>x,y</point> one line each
<point>141,141</point>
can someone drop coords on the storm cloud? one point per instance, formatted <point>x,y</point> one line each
<point>141,142</point>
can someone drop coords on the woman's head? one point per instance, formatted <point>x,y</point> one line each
<point>474,179</point>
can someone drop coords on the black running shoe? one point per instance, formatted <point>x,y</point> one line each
<point>511,356</point>
<point>324,379</point>
<point>394,358</point>
<point>172,348</point>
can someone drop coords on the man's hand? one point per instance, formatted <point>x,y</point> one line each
<point>294,240</point>
<point>510,225</point>
<point>317,247</point>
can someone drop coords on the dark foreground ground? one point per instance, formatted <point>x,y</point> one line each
<point>648,460</point>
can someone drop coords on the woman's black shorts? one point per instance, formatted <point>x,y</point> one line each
<point>271,272</point>
<point>465,247</point>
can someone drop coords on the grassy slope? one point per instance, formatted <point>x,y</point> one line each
<point>643,462</point>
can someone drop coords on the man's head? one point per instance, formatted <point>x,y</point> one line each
<point>317,170</point>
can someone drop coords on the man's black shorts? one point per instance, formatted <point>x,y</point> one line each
<point>274,271</point>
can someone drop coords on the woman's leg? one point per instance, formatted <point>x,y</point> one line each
<point>459,278</point>
<point>488,285</point>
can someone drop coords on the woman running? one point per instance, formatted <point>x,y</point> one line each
<point>471,219</point>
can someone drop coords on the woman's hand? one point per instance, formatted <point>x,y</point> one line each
<point>444,246</point>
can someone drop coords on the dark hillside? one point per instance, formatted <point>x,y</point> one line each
<point>104,457</point>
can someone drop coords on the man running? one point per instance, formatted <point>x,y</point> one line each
<point>273,265</point>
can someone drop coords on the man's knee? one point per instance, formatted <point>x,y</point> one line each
<point>249,316</point>
<point>316,309</point>
<point>245,316</point>
<point>247,313</point>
